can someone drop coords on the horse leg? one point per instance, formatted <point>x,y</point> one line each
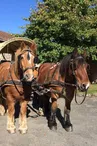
<point>52,119</point>
<point>2,105</point>
<point>10,117</point>
<point>2,110</point>
<point>22,117</point>
<point>46,106</point>
<point>69,96</point>
<point>40,110</point>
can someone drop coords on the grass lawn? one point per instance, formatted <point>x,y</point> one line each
<point>92,89</point>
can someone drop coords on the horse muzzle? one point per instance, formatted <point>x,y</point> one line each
<point>83,87</point>
<point>28,78</point>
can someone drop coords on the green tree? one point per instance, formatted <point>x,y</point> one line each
<point>58,26</point>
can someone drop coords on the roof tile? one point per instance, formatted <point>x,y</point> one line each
<point>4,36</point>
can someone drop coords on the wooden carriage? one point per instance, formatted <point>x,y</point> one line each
<point>9,47</point>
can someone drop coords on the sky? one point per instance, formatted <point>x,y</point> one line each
<point>12,13</point>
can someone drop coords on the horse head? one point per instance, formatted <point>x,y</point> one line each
<point>78,67</point>
<point>24,61</point>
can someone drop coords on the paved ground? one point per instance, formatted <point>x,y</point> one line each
<point>84,120</point>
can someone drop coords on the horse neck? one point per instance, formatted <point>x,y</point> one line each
<point>15,71</point>
<point>55,68</point>
<point>60,76</point>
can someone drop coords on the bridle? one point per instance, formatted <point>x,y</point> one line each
<point>33,68</point>
<point>27,68</point>
<point>73,72</point>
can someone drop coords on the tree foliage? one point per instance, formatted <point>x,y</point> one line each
<point>58,26</point>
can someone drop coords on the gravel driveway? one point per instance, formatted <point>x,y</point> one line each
<point>83,118</point>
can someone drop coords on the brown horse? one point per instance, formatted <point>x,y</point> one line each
<point>14,81</point>
<point>69,74</point>
<point>92,69</point>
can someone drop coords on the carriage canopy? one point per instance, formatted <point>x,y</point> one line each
<point>9,47</point>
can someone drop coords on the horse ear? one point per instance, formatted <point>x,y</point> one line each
<point>33,47</point>
<point>84,54</point>
<point>22,45</point>
<point>75,52</point>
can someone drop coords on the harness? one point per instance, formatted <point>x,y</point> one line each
<point>11,81</point>
<point>45,88</point>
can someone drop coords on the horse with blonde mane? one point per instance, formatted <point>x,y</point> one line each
<point>15,79</point>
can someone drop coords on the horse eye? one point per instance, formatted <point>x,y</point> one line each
<point>36,60</point>
<point>88,66</point>
<point>21,57</point>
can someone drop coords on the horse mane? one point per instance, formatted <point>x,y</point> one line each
<point>16,63</point>
<point>64,64</point>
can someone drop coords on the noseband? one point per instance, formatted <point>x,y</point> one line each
<point>33,68</point>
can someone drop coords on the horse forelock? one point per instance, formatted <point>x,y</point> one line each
<point>31,49</point>
<point>78,57</point>
<point>79,60</point>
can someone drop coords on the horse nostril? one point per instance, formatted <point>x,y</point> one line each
<point>84,86</point>
<point>27,76</point>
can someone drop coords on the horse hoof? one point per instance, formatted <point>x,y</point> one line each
<point>23,131</point>
<point>69,128</point>
<point>53,128</point>
<point>2,114</point>
<point>12,131</point>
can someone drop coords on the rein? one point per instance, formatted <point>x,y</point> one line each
<point>84,97</point>
<point>15,83</point>
<point>44,87</point>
